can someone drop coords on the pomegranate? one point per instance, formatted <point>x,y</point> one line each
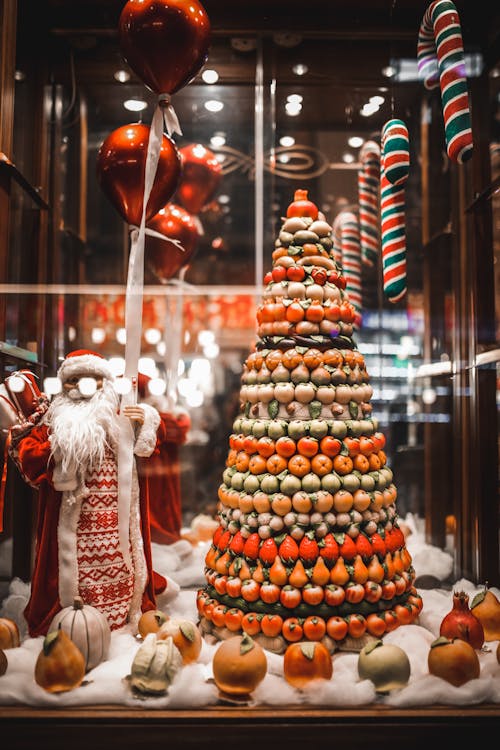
<point>461,623</point>
<point>302,206</point>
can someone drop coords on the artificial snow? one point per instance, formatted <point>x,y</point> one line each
<point>193,687</point>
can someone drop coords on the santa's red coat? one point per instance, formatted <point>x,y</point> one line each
<point>31,454</point>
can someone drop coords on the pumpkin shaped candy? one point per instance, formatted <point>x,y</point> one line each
<point>9,633</point>
<point>88,628</point>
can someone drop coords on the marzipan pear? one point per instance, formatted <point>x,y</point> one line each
<point>486,607</point>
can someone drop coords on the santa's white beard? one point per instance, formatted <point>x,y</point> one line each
<point>81,429</point>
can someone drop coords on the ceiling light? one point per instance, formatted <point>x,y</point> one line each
<point>122,76</point>
<point>369,109</point>
<point>295,98</point>
<point>378,100</point>
<point>217,140</point>
<point>210,76</point>
<point>293,108</point>
<point>389,71</point>
<point>287,141</point>
<point>355,141</point>
<point>224,199</point>
<point>135,105</point>
<point>347,158</point>
<point>214,105</point>
<point>300,69</point>
<point>283,158</point>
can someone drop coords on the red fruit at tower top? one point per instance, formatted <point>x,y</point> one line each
<point>302,206</point>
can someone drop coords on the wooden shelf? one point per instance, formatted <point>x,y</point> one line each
<point>12,171</point>
<point>292,727</point>
<point>16,352</point>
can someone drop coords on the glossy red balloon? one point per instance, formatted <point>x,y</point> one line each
<point>121,164</point>
<point>201,174</point>
<point>165,42</point>
<point>164,258</point>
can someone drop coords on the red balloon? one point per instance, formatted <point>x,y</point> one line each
<point>165,42</point>
<point>121,164</point>
<point>163,257</point>
<point>200,177</point>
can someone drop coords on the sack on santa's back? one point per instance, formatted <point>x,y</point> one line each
<point>20,397</point>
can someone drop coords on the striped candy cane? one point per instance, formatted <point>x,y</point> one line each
<point>368,197</point>
<point>347,252</point>
<point>395,162</point>
<point>440,58</point>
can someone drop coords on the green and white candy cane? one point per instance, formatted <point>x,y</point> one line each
<point>368,198</point>
<point>440,60</point>
<point>394,168</point>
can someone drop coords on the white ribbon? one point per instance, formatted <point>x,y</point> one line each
<point>133,327</point>
<point>173,324</point>
<point>159,235</point>
<point>171,122</point>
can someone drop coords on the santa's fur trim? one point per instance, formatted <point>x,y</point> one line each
<point>86,365</point>
<point>146,438</point>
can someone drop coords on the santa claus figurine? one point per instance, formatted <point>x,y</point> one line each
<point>89,542</point>
<point>162,470</point>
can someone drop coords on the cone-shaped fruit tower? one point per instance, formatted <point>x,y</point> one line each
<point>308,546</point>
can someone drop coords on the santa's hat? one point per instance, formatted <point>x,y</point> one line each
<point>85,363</point>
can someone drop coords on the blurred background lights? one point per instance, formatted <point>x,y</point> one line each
<point>210,76</point>
<point>122,76</point>
<point>152,335</point>
<point>214,105</point>
<point>16,384</point>
<point>135,105</point>
<point>287,141</point>
<point>355,141</point>
<point>52,386</point>
<point>157,386</point>
<point>87,386</point>
<point>218,140</point>
<point>98,335</point>
<point>117,366</point>
<point>121,336</point>
<point>206,337</point>
<point>300,69</point>
<point>147,366</point>
<point>122,386</point>
<point>211,351</point>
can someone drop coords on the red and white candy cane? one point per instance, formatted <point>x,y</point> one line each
<point>394,168</point>
<point>440,59</point>
<point>347,252</point>
<point>368,197</point>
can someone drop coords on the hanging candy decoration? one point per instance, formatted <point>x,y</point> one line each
<point>165,42</point>
<point>121,165</point>
<point>440,58</point>
<point>395,163</point>
<point>368,197</point>
<point>201,174</point>
<point>347,252</point>
<point>171,240</point>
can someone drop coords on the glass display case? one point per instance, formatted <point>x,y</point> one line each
<point>286,101</point>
